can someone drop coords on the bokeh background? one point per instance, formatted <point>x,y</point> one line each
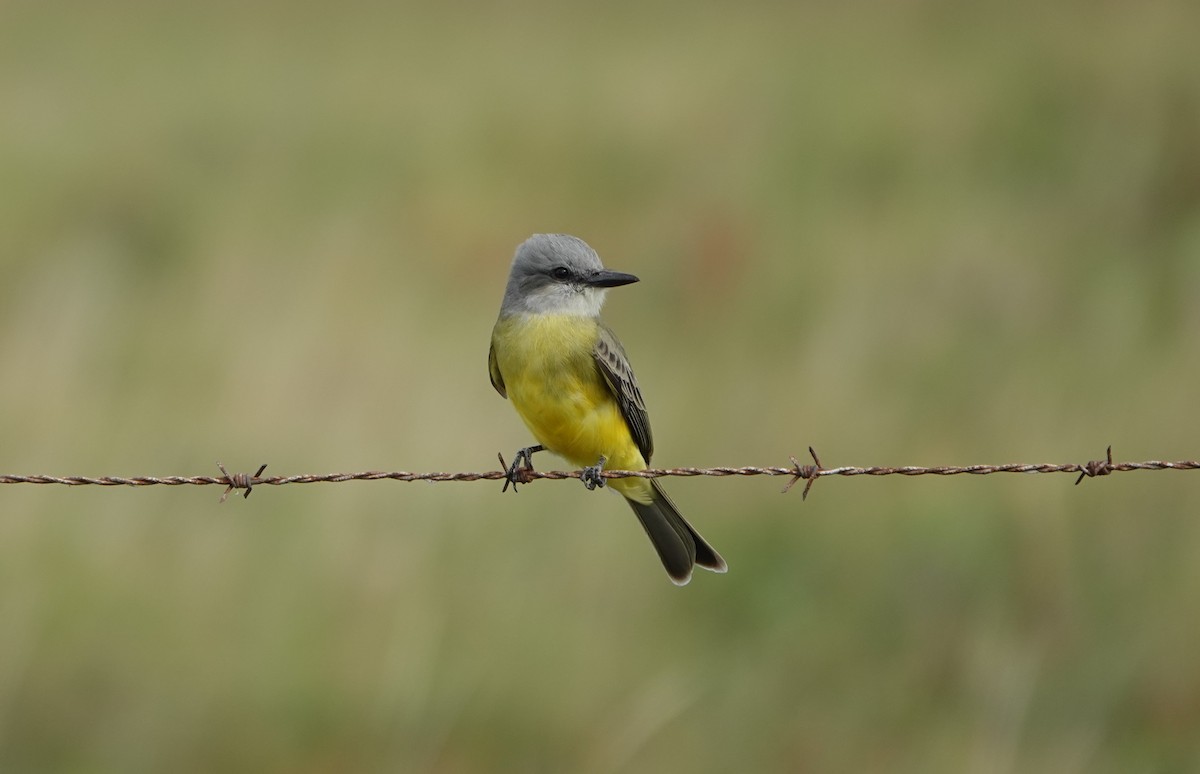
<point>925,232</point>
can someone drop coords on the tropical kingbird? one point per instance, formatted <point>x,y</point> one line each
<point>567,375</point>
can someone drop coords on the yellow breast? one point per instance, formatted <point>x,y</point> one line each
<point>553,382</point>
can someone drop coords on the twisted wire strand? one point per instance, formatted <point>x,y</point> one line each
<point>796,471</point>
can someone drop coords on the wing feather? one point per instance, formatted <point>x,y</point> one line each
<point>614,366</point>
<point>494,372</point>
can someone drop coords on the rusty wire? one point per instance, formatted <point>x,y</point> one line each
<point>796,471</point>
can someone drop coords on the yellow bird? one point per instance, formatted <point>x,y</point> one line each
<point>567,376</point>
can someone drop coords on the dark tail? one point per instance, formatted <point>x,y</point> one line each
<point>679,545</point>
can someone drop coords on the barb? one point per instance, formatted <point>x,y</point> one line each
<point>795,471</point>
<point>242,481</point>
<point>808,472</point>
<point>1097,467</point>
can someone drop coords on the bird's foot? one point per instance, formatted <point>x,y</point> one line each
<point>591,475</point>
<point>518,472</point>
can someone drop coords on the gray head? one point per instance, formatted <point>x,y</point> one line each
<point>558,274</point>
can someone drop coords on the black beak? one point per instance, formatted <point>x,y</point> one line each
<point>609,279</point>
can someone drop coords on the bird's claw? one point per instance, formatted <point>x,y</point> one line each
<point>521,468</point>
<point>591,475</point>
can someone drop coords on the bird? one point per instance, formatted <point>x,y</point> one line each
<point>567,376</point>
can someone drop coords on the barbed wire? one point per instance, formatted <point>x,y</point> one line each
<point>809,473</point>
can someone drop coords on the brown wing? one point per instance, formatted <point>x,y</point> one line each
<point>614,366</point>
<point>494,372</point>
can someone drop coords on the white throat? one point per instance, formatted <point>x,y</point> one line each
<point>564,299</point>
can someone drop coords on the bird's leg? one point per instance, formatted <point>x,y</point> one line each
<point>522,464</point>
<point>591,475</point>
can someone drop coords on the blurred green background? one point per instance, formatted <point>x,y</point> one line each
<point>904,233</point>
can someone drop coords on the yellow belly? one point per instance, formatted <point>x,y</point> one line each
<point>553,382</point>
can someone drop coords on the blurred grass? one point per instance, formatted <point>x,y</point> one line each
<point>919,233</point>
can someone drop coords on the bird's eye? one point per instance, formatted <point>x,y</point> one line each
<point>561,272</point>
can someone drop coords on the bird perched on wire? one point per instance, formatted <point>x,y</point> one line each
<point>567,375</point>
